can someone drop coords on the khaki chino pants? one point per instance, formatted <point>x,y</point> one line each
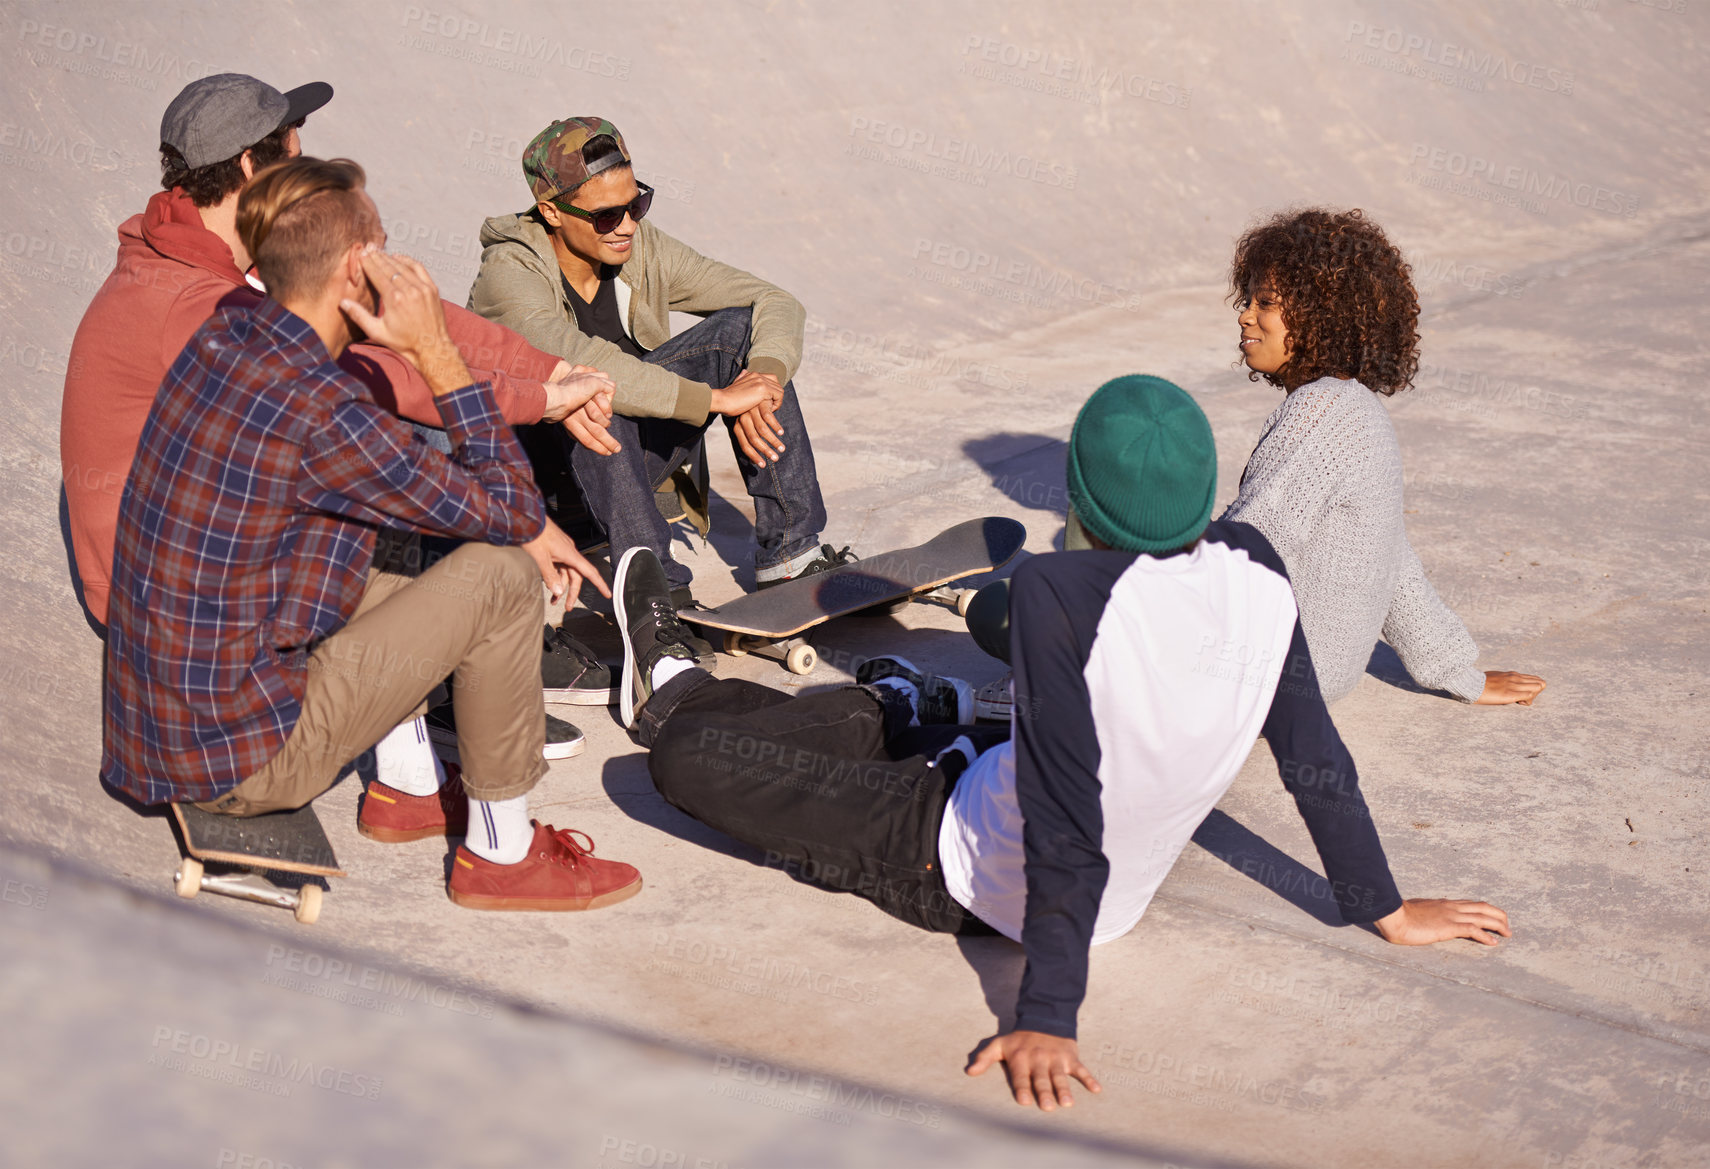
<point>476,614</point>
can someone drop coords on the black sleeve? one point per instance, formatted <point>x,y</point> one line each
<point>1055,603</point>
<point>1318,771</point>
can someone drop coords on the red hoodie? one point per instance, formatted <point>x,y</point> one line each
<point>172,275</point>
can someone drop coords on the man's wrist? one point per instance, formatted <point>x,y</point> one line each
<point>442,367</point>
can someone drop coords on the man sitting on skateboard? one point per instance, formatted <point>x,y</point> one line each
<point>254,648</point>
<point>1131,722</point>
<point>582,274</point>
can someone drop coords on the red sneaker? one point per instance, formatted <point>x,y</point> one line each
<point>559,872</point>
<point>396,817</point>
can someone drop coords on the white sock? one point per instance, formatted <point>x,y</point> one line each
<point>667,668</point>
<point>908,688</point>
<point>499,830</point>
<point>404,760</point>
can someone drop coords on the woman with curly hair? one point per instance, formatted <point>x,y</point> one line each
<point>1328,313</point>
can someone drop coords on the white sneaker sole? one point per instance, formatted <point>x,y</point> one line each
<point>581,697</point>
<point>626,689</point>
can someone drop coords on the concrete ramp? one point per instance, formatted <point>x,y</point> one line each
<point>988,210</point>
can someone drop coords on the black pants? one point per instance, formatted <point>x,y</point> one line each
<point>835,785</point>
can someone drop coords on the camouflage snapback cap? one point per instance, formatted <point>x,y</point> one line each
<point>552,164</point>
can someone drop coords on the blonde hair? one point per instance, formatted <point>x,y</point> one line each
<point>298,217</point>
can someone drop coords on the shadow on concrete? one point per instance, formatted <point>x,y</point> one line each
<point>1246,852</point>
<point>1027,468</point>
<point>628,785</point>
<point>1385,665</point>
<point>998,962</point>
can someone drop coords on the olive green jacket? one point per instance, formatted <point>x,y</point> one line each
<point>520,287</point>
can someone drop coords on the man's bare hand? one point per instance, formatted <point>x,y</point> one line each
<point>1503,687</point>
<point>750,401</point>
<point>562,567</point>
<point>411,321</point>
<point>1039,1067</point>
<point>571,387</point>
<point>1420,922</point>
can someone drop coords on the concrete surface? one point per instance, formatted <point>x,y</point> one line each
<point>962,304</point>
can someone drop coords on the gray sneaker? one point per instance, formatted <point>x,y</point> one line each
<point>563,740</point>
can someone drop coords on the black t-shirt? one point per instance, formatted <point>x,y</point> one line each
<point>600,318</point>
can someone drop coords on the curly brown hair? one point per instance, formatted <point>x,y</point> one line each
<point>1347,297</point>
<point>208,185</point>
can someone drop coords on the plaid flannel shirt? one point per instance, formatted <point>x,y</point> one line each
<point>246,532</point>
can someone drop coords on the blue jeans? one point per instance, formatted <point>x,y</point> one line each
<point>618,489</point>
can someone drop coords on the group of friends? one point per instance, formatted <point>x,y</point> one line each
<point>310,508</point>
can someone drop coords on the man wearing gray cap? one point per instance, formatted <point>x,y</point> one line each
<point>180,261</point>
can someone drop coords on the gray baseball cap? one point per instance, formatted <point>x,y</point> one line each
<point>219,117</point>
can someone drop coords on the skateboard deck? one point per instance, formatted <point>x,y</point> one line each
<point>287,842</point>
<point>789,609</point>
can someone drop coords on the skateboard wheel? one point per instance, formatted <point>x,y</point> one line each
<point>308,904</point>
<point>801,660</point>
<point>964,598</point>
<point>189,879</point>
<point>733,645</point>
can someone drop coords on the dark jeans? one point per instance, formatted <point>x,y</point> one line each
<point>835,785</point>
<point>618,489</point>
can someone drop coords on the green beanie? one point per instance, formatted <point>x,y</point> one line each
<point>1142,465</point>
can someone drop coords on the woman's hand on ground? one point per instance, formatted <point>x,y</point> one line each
<point>1505,687</point>
<point>562,567</point>
<point>1039,1067</point>
<point>1420,922</point>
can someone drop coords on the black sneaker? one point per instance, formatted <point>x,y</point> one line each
<point>683,600</point>
<point>648,621</point>
<point>569,672</point>
<point>824,562</point>
<point>942,701</point>
<point>563,740</point>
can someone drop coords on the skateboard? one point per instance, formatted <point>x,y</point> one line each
<point>286,842</point>
<point>777,618</point>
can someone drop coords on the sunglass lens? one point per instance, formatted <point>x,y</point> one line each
<point>638,208</point>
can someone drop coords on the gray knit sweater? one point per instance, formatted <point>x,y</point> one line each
<point>1324,485</point>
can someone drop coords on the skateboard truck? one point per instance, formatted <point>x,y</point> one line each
<point>303,902</point>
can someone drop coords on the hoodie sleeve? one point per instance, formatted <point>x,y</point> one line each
<point>399,388</point>
<point>512,290</point>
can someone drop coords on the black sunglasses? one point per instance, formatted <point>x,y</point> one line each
<point>608,218</point>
